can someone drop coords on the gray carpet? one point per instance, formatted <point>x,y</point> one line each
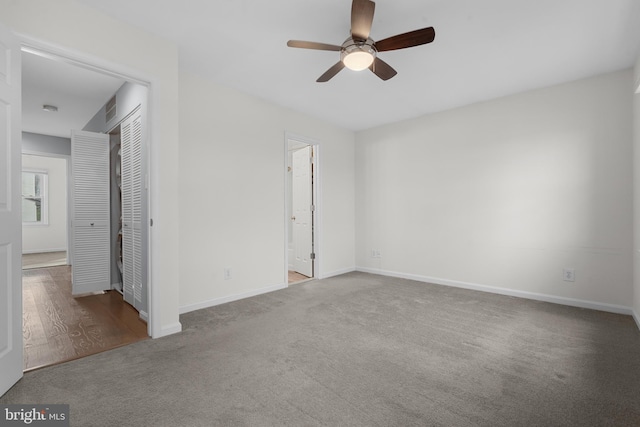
<point>362,350</point>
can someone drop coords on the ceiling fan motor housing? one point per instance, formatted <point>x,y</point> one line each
<point>360,53</point>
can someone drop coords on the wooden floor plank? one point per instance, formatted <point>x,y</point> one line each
<point>34,338</point>
<point>294,277</point>
<point>58,327</point>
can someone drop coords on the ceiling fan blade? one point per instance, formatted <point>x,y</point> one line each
<point>361,18</point>
<point>331,72</point>
<point>410,39</point>
<point>382,69</point>
<point>313,45</point>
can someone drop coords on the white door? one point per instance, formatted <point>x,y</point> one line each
<point>302,201</point>
<point>131,142</point>
<point>10,213</point>
<point>91,271</point>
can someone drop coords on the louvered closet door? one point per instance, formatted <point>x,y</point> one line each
<point>131,140</point>
<point>90,195</point>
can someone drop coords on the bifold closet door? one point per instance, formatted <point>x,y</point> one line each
<point>90,216</point>
<point>131,149</point>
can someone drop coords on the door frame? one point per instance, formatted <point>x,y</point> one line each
<point>317,214</point>
<point>100,65</point>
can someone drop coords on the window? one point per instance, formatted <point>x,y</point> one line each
<point>34,198</point>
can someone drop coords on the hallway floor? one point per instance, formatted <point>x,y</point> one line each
<point>58,327</point>
<point>295,277</point>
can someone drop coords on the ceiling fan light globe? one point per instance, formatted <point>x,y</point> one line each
<point>358,60</point>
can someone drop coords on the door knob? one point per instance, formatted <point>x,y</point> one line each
<point>293,218</point>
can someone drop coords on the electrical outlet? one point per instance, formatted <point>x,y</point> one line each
<point>378,254</point>
<point>569,274</point>
<point>227,273</point>
<point>375,253</point>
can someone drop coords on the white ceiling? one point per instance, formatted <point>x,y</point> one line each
<point>482,50</point>
<point>77,92</point>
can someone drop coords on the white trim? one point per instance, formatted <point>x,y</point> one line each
<point>612,308</point>
<point>42,251</point>
<point>171,329</point>
<point>45,49</point>
<point>317,201</point>
<point>336,273</point>
<point>636,317</point>
<point>223,300</point>
<point>287,214</point>
<point>45,154</point>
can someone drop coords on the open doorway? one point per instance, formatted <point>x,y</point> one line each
<point>301,210</point>
<point>58,97</point>
<point>44,210</point>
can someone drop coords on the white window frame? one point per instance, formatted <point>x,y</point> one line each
<point>44,198</point>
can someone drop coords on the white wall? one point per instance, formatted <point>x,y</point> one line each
<point>506,193</point>
<point>80,32</point>
<point>53,236</point>
<point>34,143</point>
<point>232,193</point>
<point>636,192</point>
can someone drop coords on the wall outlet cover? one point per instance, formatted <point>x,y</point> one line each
<point>569,274</point>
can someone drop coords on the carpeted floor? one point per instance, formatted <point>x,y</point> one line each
<point>362,350</point>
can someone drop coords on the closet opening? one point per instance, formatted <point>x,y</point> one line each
<point>128,196</point>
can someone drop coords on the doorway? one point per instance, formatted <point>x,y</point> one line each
<point>301,210</point>
<point>44,210</point>
<point>59,326</point>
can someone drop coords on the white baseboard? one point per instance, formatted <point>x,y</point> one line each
<point>42,251</point>
<point>173,328</point>
<point>143,315</point>
<point>336,273</point>
<point>636,317</point>
<point>504,291</point>
<point>222,300</point>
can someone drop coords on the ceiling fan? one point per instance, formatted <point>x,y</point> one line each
<point>359,51</point>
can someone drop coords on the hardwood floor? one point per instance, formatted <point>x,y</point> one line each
<point>295,277</point>
<point>58,327</point>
